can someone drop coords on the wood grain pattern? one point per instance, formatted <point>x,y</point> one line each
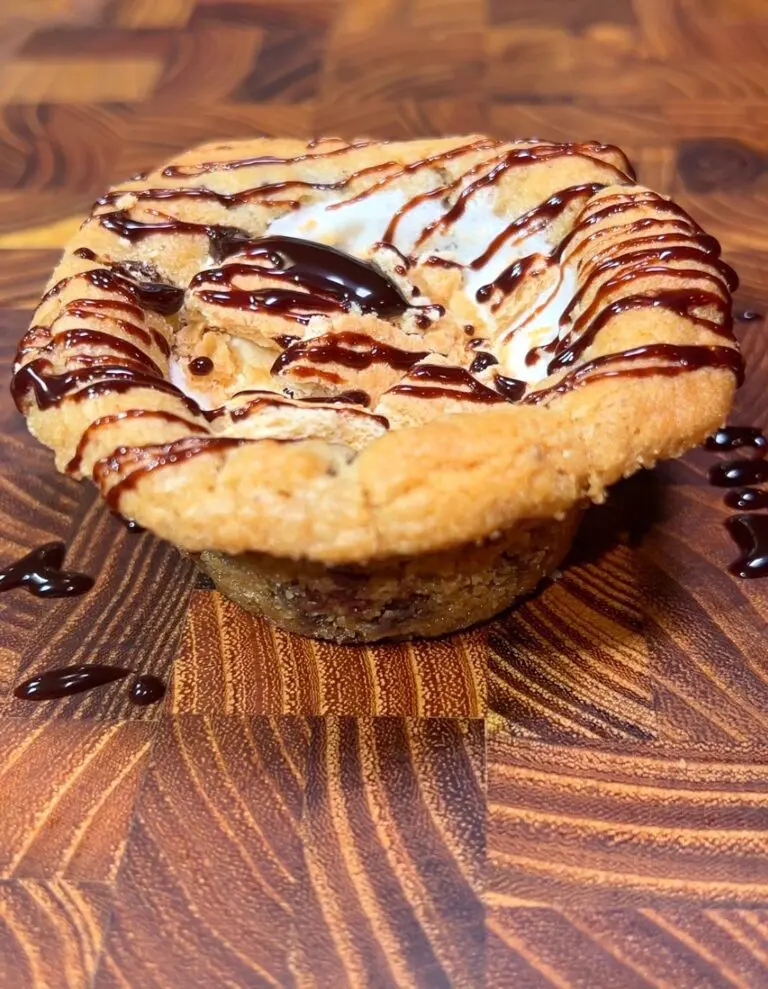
<point>214,857</point>
<point>394,848</point>
<point>68,793</point>
<point>574,660</point>
<point>589,774</point>
<point>628,826</point>
<point>230,662</point>
<point>534,947</point>
<point>51,932</point>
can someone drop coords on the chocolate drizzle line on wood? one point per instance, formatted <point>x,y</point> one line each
<point>40,572</point>
<point>68,680</point>
<point>54,684</point>
<point>749,532</point>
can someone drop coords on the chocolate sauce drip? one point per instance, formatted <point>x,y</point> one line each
<point>267,398</point>
<point>104,341</point>
<point>679,358</point>
<point>645,263</point>
<point>536,218</point>
<point>231,199</point>
<point>482,361</point>
<point>222,240</point>
<point>428,314</point>
<point>414,166</point>
<point>747,499</point>
<point>433,261</point>
<point>514,159</point>
<point>736,473</point>
<point>154,458</point>
<point>336,280</point>
<point>40,573</point>
<point>66,681</point>
<point>333,273</point>
<point>85,253</point>
<point>748,316</point>
<point>74,464</point>
<point>473,391</point>
<point>735,437</point>
<point>226,199</point>
<point>285,340</point>
<point>177,171</point>
<point>682,302</point>
<point>146,689</point>
<point>354,396</point>
<point>200,366</point>
<point>340,348</point>
<point>625,203</point>
<point>156,296</point>
<point>104,308</point>
<point>130,524</point>
<point>85,382</point>
<point>511,388</point>
<point>510,278</point>
<point>299,307</point>
<point>151,291</point>
<point>750,533</point>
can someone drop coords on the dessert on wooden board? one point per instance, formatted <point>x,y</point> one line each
<point>373,385</point>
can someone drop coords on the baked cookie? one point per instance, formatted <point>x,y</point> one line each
<point>372,385</point>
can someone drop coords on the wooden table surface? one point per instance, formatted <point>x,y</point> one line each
<point>574,796</point>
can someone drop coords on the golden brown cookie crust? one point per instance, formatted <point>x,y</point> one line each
<point>302,476</point>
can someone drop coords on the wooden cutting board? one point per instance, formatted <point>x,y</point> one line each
<point>573,796</point>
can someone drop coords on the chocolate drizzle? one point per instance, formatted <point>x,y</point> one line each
<point>511,388</point>
<point>654,261</point>
<point>335,280</point>
<point>177,171</point>
<point>146,689</point>
<point>348,349</point>
<point>40,573</point>
<point>158,297</point>
<point>200,366</point>
<point>677,359</point>
<point>437,262</point>
<point>222,240</point>
<point>618,203</point>
<point>482,361</point>
<point>511,277</point>
<point>736,473</point>
<point>130,464</point>
<point>74,464</point>
<point>267,399</point>
<point>536,218</point>
<point>433,381</point>
<point>747,499</point>
<point>748,316</point>
<point>750,533</point>
<point>66,681</point>
<point>682,302</point>
<point>85,382</point>
<point>735,437</point>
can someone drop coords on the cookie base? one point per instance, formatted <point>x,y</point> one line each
<point>423,596</point>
